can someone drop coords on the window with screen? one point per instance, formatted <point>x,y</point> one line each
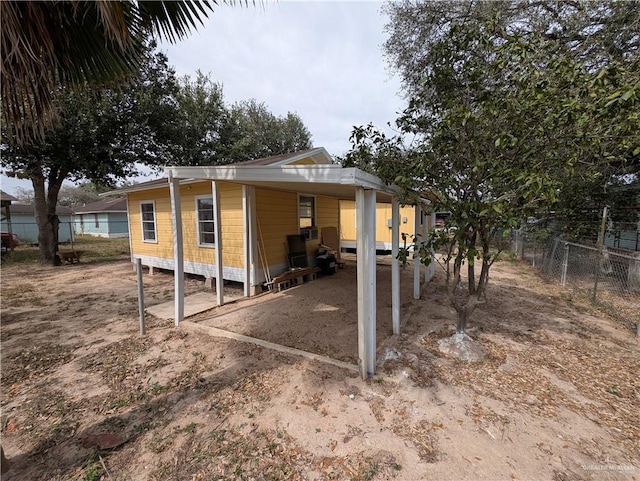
<point>148,215</point>
<point>206,224</point>
<point>307,216</point>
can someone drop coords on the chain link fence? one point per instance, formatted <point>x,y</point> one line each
<point>610,277</point>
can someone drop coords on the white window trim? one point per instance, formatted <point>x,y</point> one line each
<point>155,221</point>
<point>206,246</point>
<point>315,213</point>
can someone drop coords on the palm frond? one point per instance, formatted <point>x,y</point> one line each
<point>51,43</point>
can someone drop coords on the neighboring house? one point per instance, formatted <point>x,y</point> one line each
<point>232,222</point>
<point>623,239</point>
<point>23,223</point>
<point>104,218</point>
<point>9,240</point>
<point>5,205</point>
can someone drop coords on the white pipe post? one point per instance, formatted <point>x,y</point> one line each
<point>253,232</point>
<point>140,295</point>
<point>395,266</point>
<point>130,231</point>
<point>416,257</point>
<point>246,239</point>
<point>425,236</point>
<point>178,253</point>
<point>366,248</point>
<point>433,252</point>
<point>565,265</point>
<point>217,238</point>
<point>249,235</point>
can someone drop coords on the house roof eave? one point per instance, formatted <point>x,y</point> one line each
<point>322,179</point>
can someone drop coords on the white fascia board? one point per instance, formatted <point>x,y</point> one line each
<point>318,174</point>
<point>252,173</point>
<point>143,187</point>
<point>370,181</point>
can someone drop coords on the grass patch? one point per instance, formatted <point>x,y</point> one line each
<point>101,248</point>
<point>93,249</point>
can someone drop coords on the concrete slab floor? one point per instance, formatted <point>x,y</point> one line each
<point>193,304</point>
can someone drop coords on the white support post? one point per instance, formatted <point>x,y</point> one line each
<point>217,238</point>
<point>416,259</point>
<point>246,238</point>
<point>395,266</point>
<point>425,236</point>
<point>249,236</point>
<point>433,252</point>
<point>178,254</point>
<point>253,232</point>
<point>366,248</point>
<point>250,230</point>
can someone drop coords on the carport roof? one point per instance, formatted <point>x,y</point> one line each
<point>324,179</point>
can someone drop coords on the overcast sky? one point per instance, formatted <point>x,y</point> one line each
<point>322,60</point>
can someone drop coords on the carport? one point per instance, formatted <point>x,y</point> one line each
<point>326,180</point>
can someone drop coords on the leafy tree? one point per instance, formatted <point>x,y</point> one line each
<point>51,52</point>
<point>212,133</point>
<point>258,133</point>
<point>101,135</point>
<point>203,122</point>
<point>594,32</point>
<point>596,37</point>
<point>498,123</point>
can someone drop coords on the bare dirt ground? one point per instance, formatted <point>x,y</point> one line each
<point>85,397</point>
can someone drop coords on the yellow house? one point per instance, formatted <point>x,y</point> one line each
<point>234,222</point>
<point>278,213</point>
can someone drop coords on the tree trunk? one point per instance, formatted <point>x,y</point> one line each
<point>4,463</point>
<point>462,321</point>
<point>46,218</point>
<point>464,313</point>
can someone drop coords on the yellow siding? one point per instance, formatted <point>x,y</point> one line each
<point>277,215</point>
<point>409,213</point>
<point>347,220</point>
<point>164,229</point>
<point>383,214</point>
<point>305,161</point>
<point>327,215</point>
<point>231,229</point>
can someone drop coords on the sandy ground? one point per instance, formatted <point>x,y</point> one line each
<point>85,397</point>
